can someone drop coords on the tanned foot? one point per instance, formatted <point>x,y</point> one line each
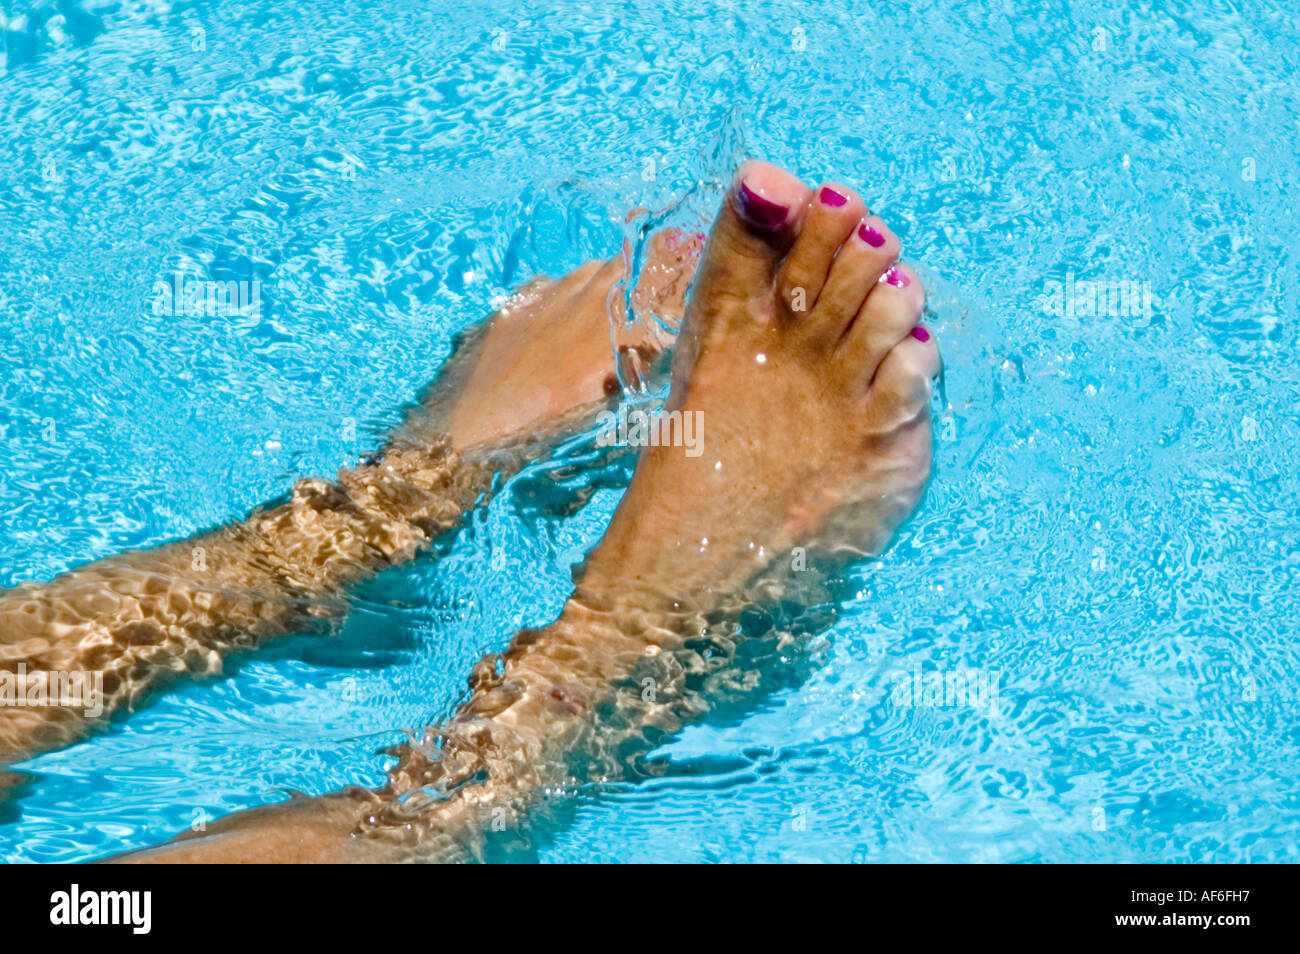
<point>803,357</point>
<point>801,350</point>
<point>136,619</point>
<point>549,352</point>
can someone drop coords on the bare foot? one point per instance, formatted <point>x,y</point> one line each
<point>803,358</point>
<point>132,620</point>
<point>803,353</point>
<point>549,352</point>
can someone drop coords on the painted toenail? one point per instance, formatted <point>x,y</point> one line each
<point>920,334</point>
<point>870,235</point>
<point>832,198</point>
<point>896,277</point>
<point>760,211</point>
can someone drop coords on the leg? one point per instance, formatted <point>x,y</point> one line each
<point>131,620</point>
<point>803,354</point>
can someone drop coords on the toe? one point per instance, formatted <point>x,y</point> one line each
<point>756,226</point>
<point>867,254</point>
<point>669,263</point>
<point>901,388</point>
<point>830,221</point>
<point>892,308</point>
<point>768,202</point>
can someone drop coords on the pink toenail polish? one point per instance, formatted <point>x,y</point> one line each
<point>870,235</point>
<point>897,277</point>
<point>920,334</point>
<point>832,198</point>
<point>760,211</point>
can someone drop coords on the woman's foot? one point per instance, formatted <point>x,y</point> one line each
<point>803,354</point>
<point>803,359</point>
<point>135,619</point>
<point>549,352</point>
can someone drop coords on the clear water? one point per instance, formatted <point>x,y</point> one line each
<point>1112,528</point>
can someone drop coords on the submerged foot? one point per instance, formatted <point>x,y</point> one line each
<point>549,352</point>
<point>808,375</point>
<point>803,357</point>
<point>126,623</point>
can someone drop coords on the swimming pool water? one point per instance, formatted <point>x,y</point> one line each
<point>1110,539</point>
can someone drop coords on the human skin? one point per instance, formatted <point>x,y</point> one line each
<point>801,349</point>
<point>536,369</point>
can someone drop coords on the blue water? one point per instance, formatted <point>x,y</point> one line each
<point>1111,534</point>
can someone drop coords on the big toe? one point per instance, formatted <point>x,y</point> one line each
<point>757,224</point>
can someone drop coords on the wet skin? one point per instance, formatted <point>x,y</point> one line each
<point>542,365</point>
<point>802,351</point>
